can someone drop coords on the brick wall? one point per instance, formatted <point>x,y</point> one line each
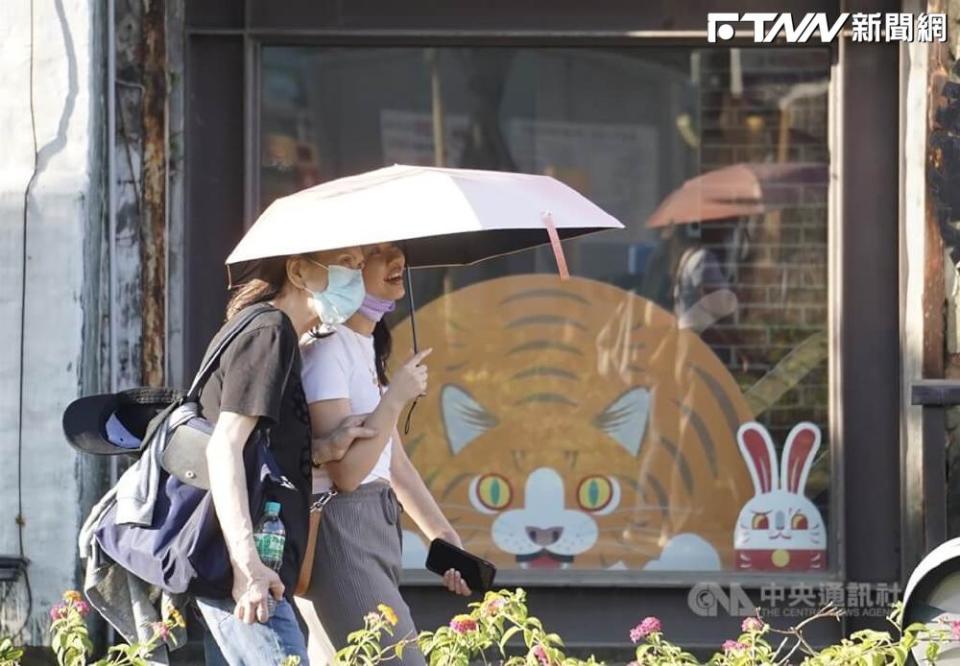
<point>781,278</point>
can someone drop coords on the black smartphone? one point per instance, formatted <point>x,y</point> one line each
<point>476,572</point>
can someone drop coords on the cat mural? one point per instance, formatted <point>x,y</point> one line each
<point>779,529</point>
<point>574,424</point>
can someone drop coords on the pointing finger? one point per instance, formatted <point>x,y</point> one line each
<point>417,358</point>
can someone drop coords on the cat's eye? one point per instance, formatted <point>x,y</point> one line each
<point>490,493</point>
<point>761,521</point>
<point>598,494</point>
<point>799,522</point>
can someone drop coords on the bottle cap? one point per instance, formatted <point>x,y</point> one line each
<point>272,508</point>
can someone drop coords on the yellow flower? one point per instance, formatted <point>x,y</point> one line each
<point>72,596</point>
<point>176,618</point>
<point>389,614</point>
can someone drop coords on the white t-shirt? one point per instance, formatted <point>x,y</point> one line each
<point>342,366</point>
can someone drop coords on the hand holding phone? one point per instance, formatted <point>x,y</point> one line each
<point>477,572</point>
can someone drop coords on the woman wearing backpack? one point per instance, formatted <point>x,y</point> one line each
<point>257,384</point>
<point>357,562</point>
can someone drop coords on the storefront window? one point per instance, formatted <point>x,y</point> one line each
<point>605,422</point>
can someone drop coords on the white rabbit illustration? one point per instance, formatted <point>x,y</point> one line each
<point>779,528</point>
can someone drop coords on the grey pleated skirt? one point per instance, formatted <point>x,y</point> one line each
<point>357,566</point>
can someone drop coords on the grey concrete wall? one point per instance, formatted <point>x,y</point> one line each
<point>51,285</point>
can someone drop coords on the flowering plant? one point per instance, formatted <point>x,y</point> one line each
<point>485,631</point>
<point>487,628</point>
<point>71,641</point>
<point>365,644</point>
<point>653,649</point>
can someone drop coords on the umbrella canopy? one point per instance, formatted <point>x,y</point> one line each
<point>737,191</point>
<point>445,217</point>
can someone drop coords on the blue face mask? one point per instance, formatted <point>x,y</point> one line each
<point>342,297</point>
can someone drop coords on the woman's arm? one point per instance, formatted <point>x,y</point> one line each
<point>417,500</point>
<point>325,415</point>
<point>334,445</point>
<point>416,497</point>
<point>252,580</point>
<point>350,471</point>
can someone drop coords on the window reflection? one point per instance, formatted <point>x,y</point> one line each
<point>666,408</point>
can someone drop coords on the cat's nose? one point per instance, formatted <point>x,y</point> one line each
<point>779,521</point>
<point>544,536</point>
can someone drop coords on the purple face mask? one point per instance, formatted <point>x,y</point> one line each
<point>374,308</point>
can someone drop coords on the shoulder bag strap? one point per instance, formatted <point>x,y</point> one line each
<point>241,321</point>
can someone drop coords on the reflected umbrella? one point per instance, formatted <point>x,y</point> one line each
<point>739,190</point>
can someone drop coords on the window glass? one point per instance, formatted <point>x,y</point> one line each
<point>665,409</point>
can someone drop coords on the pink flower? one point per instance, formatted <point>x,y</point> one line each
<point>58,612</point>
<point>463,623</point>
<point>493,606</point>
<point>730,646</point>
<point>82,607</point>
<point>650,625</point>
<point>161,630</point>
<point>955,629</point>
<point>540,653</point>
<point>752,624</point>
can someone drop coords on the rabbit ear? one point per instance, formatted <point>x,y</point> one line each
<point>761,457</point>
<point>802,444</point>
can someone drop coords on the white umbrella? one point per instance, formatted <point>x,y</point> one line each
<point>443,217</point>
<point>431,209</point>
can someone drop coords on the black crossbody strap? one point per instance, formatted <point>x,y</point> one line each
<point>241,321</point>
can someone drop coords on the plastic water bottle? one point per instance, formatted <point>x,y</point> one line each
<point>269,538</point>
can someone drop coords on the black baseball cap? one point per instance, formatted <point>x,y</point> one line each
<point>115,423</point>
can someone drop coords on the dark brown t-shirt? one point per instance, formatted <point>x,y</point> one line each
<point>259,375</point>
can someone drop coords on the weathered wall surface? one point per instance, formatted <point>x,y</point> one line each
<point>943,178</point>
<point>51,287</point>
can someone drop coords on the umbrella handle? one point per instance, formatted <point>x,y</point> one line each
<point>413,331</point>
<point>413,306</point>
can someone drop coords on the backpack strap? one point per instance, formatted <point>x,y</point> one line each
<point>237,324</point>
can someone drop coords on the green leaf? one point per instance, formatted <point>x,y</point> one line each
<point>507,635</point>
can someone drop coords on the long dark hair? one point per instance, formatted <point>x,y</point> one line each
<point>382,346</point>
<point>272,275</point>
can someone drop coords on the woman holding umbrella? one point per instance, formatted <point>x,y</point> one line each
<point>258,384</point>
<point>357,564</point>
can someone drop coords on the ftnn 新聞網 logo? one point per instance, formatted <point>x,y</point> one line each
<point>873,27</point>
